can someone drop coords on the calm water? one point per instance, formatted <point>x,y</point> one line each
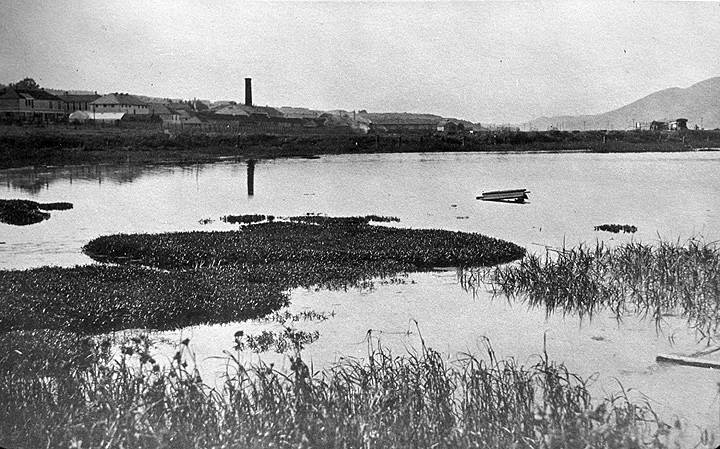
<point>668,195</point>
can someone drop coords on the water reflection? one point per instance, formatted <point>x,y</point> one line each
<point>34,180</point>
<point>251,177</point>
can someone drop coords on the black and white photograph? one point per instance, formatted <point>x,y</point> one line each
<point>359,224</point>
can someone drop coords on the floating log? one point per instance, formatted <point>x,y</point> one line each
<point>689,361</point>
<point>516,195</point>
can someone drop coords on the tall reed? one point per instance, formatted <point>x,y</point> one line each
<point>419,399</point>
<point>651,279</point>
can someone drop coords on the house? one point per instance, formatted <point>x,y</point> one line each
<point>242,110</point>
<point>450,127</point>
<point>159,109</point>
<point>234,110</point>
<point>30,105</point>
<point>77,102</point>
<point>290,112</point>
<point>116,102</point>
<point>678,124</point>
<point>402,122</point>
<point>658,126</point>
<point>410,125</point>
<point>180,116</point>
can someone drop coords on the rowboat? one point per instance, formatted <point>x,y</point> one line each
<point>516,195</point>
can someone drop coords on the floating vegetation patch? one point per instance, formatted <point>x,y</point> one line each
<point>100,298</point>
<point>382,401</point>
<point>25,212</point>
<point>56,206</point>
<point>616,228</point>
<point>654,280</point>
<point>205,221</point>
<point>322,219</point>
<point>246,219</point>
<point>289,340</point>
<point>172,280</point>
<point>305,315</point>
<point>337,242</point>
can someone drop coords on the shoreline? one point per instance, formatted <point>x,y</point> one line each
<point>22,147</point>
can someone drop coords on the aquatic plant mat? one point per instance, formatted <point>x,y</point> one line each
<point>417,400</point>
<point>649,279</point>
<point>177,279</point>
<point>616,228</point>
<point>25,212</point>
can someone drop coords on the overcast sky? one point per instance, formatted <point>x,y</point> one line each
<point>483,61</point>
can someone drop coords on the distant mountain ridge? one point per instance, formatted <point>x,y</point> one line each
<point>699,103</point>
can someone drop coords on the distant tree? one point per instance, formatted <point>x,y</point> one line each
<point>27,83</point>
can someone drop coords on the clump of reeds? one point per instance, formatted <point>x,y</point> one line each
<point>305,315</point>
<point>649,279</point>
<point>415,400</point>
<point>287,340</point>
<point>615,228</point>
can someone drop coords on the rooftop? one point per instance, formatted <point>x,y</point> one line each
<point>28,94</point>
<point>121,99</point>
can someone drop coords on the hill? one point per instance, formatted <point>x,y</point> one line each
<point>699,103</point>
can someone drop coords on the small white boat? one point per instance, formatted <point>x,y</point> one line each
<point>513,195</point>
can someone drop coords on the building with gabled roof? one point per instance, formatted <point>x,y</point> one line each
<point>77,102</point>
<point>117,102</point>
<point>244,110</point>
<point>30,105</point>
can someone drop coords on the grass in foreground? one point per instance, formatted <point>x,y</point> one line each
<point>646,279</point>
<point>212,277</point>
<point>415,400</point>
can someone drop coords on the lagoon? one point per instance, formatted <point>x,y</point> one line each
<point>668,195</point>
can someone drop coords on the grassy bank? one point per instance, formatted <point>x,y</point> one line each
<point>647,279</point>
<point>210,277</point>
<point>414,400</point>
<point>23,146</point>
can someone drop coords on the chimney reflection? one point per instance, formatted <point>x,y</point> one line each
<point>251,177</point>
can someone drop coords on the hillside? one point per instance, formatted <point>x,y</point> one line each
<point>699,103</point>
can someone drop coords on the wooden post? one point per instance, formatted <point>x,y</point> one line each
<point>688,361</point>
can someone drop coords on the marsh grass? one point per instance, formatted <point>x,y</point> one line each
<point>289,340</point>
<point>418,399</point>
<point>289,317</point>
<point>649,279</point>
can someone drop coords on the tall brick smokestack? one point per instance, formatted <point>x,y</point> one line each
<point>248,91</point>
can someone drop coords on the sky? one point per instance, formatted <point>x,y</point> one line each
<point>499,62</point>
